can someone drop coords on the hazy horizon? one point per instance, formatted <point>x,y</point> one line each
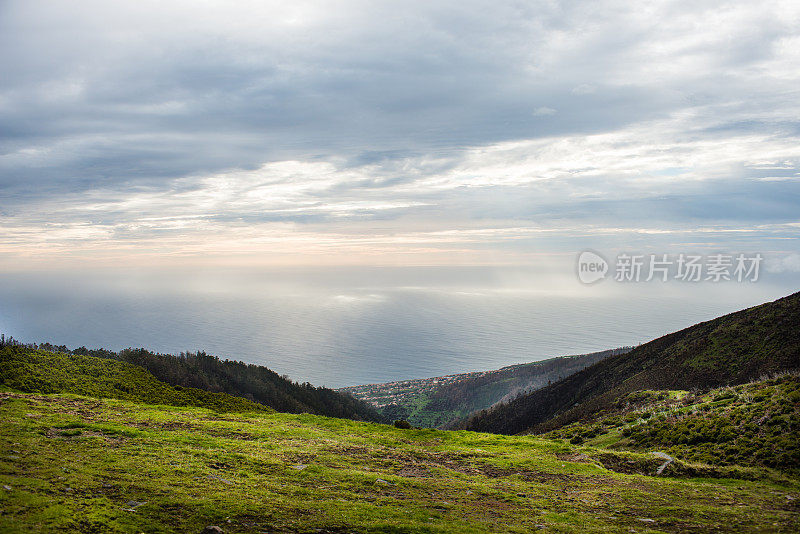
<point>367,325</point>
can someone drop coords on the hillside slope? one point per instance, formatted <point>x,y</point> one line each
<point>87,465</point>
<point>732,349</point>
<point>437,402</point>
<point>253,382</point>
<point>756,424</point>
<point>39,371</point>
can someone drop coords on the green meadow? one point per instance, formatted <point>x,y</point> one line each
<point>80,464</point>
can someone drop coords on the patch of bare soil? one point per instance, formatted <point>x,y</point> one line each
<point>60,433</point>
<point>172,426</point>
<point>419,464</point>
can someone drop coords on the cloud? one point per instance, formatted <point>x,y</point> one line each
<point>584,89</point>
<point>644,185</point>
<point>543,111</point>
<point>173,128</point>
<point>789,263</point>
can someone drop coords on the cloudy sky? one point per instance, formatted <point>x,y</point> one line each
<point>412,133</point>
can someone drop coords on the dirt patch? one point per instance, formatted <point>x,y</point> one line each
<point>540,477</point>
<point>82,433</point>
<point>574,457</point>
<point>488,508</point>
<point>414,471</point>
<point>173,426</point>
<point>85,409</point>
<point>299,458</point>
<point>627,465</point>
<point>218,417</point>
<point>232,434</point>
<point>419,465</point>
<point>648,466</point>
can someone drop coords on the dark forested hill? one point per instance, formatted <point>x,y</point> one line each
<point>732,349</point>
<point>253,382</point>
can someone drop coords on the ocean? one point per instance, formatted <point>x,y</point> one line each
<point>346,326</point>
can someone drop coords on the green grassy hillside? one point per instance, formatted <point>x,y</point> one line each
<point>253,382</point>
<point>76,464</point>
<point>755,424</point>
<point>39,371</point>
<point>732,349</point>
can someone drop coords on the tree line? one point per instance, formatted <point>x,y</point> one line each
<point>210,373</point>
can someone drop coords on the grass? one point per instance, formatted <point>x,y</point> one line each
<point>40,371</point>
<point>754,424</point>
<point>417,410</point>
<point>80,464</point>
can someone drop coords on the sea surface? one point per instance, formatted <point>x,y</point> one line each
<point>340,327</point>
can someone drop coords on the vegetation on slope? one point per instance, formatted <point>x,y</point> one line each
<point>732,349</point>
<point>39,371</point>
<point>755,424</point>
<point>437,402</point>
<point>86,465</point>
<point>253,382</point>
